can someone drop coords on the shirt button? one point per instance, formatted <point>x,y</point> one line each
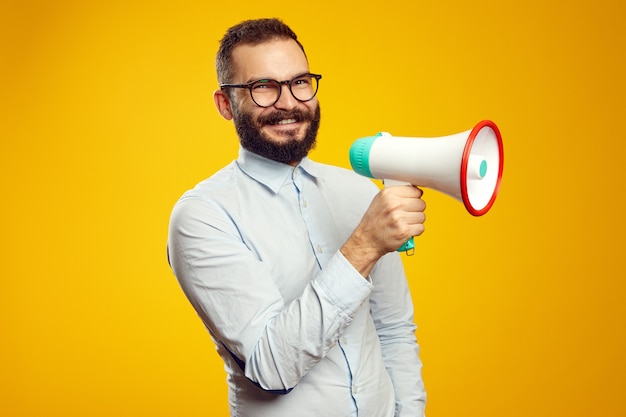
<point>305,203</point>
<point>344,340</point>
<point>354,390</point>
<point>320,249</point>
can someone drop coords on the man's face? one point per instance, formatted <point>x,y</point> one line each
<point>286,131</point>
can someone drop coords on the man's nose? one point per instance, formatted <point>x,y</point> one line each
<point>286,99</point>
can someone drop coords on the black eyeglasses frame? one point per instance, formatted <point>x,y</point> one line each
<point>249,85</point>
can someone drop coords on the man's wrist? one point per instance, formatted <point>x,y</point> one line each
<point>363,257</point>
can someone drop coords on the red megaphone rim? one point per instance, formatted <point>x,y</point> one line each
<point>466,154</point>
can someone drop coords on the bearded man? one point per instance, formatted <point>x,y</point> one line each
<point>292,264</point>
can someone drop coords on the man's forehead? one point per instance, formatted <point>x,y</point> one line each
<point>279,59</point>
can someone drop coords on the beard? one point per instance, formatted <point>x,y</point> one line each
<point>289,151</point>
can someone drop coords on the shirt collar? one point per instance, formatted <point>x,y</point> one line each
<point>270,173</point>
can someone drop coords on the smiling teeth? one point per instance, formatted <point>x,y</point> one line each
<point>287,121</point>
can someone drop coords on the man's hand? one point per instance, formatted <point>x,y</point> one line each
<point>395,215</point>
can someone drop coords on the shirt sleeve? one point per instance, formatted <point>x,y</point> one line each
<point>238,301</point>
<point>392,311</point>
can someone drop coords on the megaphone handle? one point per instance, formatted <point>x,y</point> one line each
<point>391,183</point>
<point>409,246</point>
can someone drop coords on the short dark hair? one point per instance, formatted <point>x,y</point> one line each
<point>249,32</point>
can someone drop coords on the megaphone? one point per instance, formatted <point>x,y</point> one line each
<point>466,166</point>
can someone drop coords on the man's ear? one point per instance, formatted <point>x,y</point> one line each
<point>222,102</point>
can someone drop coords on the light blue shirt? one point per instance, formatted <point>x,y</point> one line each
<point>256,251</point>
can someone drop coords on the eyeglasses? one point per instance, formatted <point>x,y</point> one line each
<point>266,92</point>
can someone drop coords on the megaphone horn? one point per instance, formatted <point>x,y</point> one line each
<point>467,166</point>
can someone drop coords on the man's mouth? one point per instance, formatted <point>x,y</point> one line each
<point>286,121</point>
<point>283,118</point>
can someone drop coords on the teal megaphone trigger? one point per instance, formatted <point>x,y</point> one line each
<point>408,247</point>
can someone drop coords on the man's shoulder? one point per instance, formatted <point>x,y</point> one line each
<point>328,170</point>
<point>222,181</point>
<point>341,177</point>
<point>348,191</point>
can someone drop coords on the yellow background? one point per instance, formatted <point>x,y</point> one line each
<point>106,117</point>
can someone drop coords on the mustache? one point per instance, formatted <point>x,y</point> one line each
<point>278,115</point>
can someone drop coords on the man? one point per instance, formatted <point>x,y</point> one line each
<point>291,264</point>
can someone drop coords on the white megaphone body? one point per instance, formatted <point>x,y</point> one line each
<point>466,166</point>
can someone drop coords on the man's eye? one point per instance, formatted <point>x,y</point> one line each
<point>301,82</point>
<point>263,84</point>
